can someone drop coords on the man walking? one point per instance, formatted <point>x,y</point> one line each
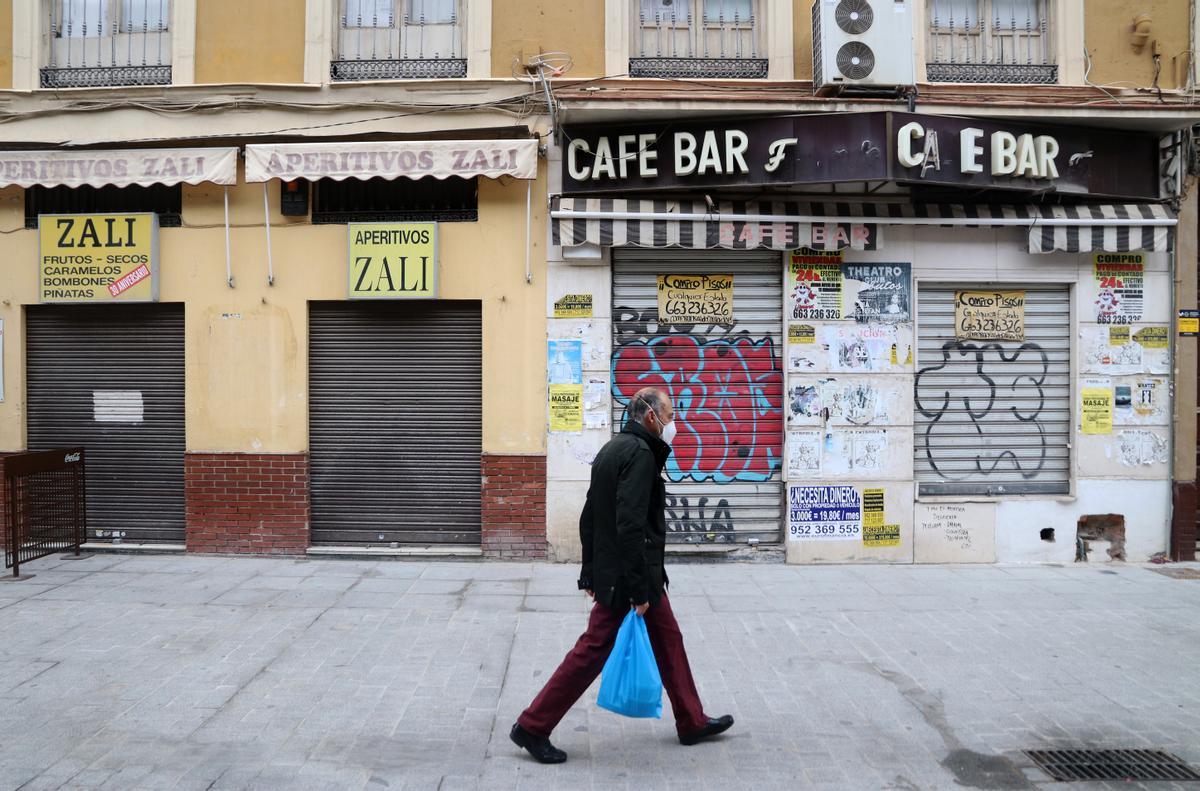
<point>624,530</point>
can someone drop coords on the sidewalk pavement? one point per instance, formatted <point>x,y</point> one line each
<point>131,672</point>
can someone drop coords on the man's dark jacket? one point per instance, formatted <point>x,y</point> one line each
<point>623,528</point>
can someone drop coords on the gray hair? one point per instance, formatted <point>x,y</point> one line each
<point>646,400</point>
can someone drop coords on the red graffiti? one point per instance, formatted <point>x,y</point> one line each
<point>728,395</point>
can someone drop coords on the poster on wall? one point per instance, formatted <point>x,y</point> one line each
<point>573,306</point>
<point>854,402</point>
<point>1119,287</point>
<point>1096,407</point>
<point>695,299</point>
<point>1141,401</point>
<point>989,315</point>
<point>564,362</point>
<point>866,348</point>
<point>824,513</point>
<point>855,451</point>
<point>566,408</point>
<point>816,286</point>
<point>876,532</point>
<point>1138,447</point>
<point>804,454</point>
<point>878,292</point>
<point>1142,350</point>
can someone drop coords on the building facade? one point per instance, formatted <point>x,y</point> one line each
<point>379,276</point>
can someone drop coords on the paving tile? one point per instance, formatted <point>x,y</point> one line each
<point>261,673</point>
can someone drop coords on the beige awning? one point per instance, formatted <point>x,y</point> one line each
<point>408,159</point>
<point>141,167</point>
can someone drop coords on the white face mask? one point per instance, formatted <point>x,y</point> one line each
<point>668,433</point>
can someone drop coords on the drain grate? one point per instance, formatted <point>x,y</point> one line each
<point>1112,765</point>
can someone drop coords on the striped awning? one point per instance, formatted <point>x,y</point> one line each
<point>785,225</point>
<point>733,225</point>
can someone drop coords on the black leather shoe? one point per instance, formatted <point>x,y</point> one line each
<point>710,729</point>
<point>539,747</point>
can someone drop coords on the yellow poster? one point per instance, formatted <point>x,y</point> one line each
<point>566,407</point>
<point>1152,337</point>
<point>989,315</point>
<point>1118,336</point>
<point>881,535</point>
<point>872,507</point>
<point>393,260</point>
<point>573,306</point>
<point>802,333</point>
<point>1096,412</point>
<point>98,257</point>
<point>695,299</point>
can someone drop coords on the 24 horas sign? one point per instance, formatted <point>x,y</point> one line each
<point>98,257</point>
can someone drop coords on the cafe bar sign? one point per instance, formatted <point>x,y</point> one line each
<point>860,147</point>
<point>98,257</point>
<point>393,260</point>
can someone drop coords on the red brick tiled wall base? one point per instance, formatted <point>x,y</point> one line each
<point>247,503</point>
<point>514,506</point>
<point>1183,521</point>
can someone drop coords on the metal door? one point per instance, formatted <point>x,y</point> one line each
<point>724,478</point>
<point>395,422</point>
<point>111,378</point>
<point>994,417</point>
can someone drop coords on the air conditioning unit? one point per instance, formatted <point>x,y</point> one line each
<point>866,43</point>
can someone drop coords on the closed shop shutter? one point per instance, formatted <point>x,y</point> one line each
<point>994,417</point>
<point>111,379</point>
<point>395,422</point>
<point>724,478</point>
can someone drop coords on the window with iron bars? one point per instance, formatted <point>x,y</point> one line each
<point>399,200</point>
<point>698,38</point>
<point>997,41</point>
<point>165,201</point>
<point>399,39</point>
<point>93,43</point>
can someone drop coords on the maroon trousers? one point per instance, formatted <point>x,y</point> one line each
<point>585,661</point>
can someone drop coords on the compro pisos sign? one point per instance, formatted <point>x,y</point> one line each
<point>98,257</point>
<point>393,260</point>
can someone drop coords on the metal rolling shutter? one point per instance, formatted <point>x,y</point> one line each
<point>126,353</point>
<point>724,479</point>
<point>395,421</point>
<point>994,417</point>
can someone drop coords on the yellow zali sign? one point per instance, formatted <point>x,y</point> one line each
<point>393,260</point>
<point>98,257</point>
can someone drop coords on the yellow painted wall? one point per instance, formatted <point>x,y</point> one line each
<point>1107,28</point>
<point>802,39</point>
<point>521,28</point>
<point>6,44</point>
<point>250,41</point>
<point>246,360</point>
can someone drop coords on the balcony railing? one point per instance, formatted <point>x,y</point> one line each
<point>399,39</point>
<point>997,41</point>
<point>698,38</point>
<point>95,43</point>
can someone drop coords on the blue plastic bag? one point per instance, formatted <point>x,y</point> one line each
<point>630,684</point>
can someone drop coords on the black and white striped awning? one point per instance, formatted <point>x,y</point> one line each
<point>785,225</point>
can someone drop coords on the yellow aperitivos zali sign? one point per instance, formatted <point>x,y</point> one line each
<point>393,260</point>
<point>98,257</point>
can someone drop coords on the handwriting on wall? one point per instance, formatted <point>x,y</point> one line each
<point>997,374</point>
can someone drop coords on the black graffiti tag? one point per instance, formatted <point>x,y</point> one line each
<point>977,411</point>
<point>681,520</point>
